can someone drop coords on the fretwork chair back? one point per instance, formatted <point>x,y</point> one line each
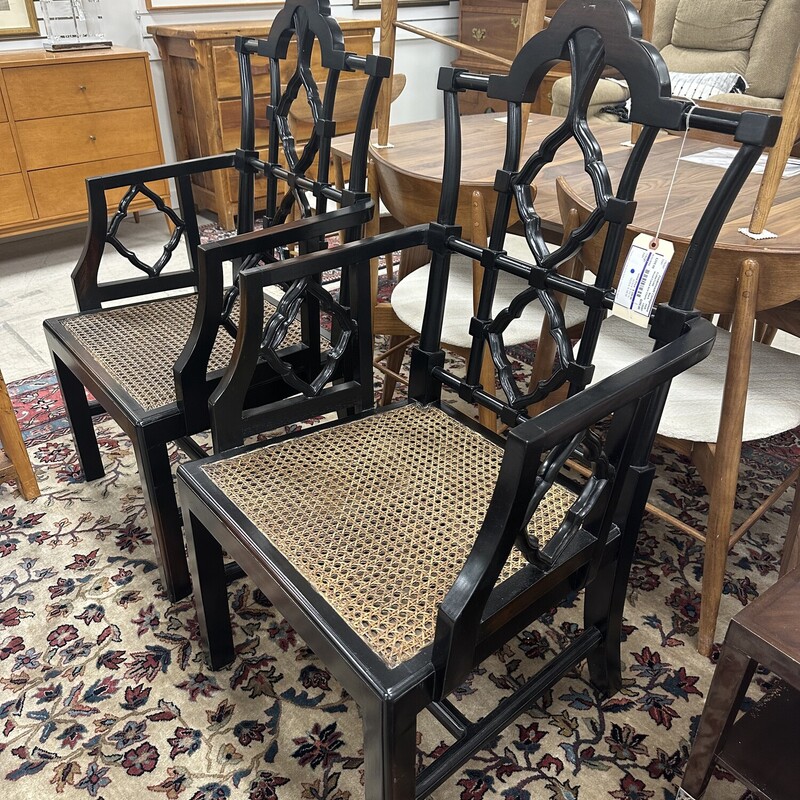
<point>743,392</point>
<point>406,545</point>
<point>152,362</point>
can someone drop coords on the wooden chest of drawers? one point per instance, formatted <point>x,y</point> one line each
<point>66,117</point>
<point>495,27</point>
<point>202,76</point>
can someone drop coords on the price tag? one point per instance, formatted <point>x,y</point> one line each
<point>644,270</point>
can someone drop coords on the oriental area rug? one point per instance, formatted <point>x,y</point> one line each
<point>104,692</point>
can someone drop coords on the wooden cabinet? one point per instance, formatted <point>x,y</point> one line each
<point>495,27</point>
<point>202,75</point>
<point>65,117</point>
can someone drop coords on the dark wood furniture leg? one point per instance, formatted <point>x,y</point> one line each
<point>76,405</point>
<point>390,747</point>
<point>211,595</point>
<point>162,508</point>
<point>731,679</point>
<point>760,747</point>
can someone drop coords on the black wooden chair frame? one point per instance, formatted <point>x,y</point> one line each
<point>78,370</point>
<point>594,549</point>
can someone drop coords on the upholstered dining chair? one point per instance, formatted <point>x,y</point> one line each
<point>125,356</point>
<point>408,543</point>
<point>742,392</point>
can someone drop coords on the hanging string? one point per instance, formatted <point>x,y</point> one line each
<point>654,242</point>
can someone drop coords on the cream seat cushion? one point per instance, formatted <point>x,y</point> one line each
<point>408,301</point>
<point>694,403</point>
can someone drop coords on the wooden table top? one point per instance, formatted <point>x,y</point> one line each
<point>418,150</point>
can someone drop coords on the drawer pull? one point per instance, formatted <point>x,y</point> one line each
<point>92,137</point>
<point>82,87</point>
<point>478,33</point>
<point>515,22</point>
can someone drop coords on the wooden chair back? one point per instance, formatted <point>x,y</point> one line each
<point>298,188</point>
<point>303,34</point>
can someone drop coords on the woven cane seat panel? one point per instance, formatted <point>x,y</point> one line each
<point>137,345</point>
<point>379,515</point>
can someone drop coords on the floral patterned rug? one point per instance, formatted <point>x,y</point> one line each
<point>104,692</point>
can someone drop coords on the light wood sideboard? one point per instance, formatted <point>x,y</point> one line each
<point>65,117</point>
<point>202,75</point>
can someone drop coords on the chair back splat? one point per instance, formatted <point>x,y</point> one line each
<point>301,28</point>
<point>406,545</point>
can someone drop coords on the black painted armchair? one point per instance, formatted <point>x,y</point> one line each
<point>407,544</point>
<point>152,362</point>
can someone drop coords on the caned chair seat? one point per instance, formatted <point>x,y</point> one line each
<point>396,501</point>
<point>137,345</point>
<point>773,406</point>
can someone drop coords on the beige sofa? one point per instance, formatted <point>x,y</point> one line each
<point>756,38</point>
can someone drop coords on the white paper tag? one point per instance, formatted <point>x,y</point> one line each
<point>644,270</point>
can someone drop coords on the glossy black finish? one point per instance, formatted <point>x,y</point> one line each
<point>305,185</point>
<point>594,546</point>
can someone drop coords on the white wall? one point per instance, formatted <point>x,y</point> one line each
<point>419,59</point>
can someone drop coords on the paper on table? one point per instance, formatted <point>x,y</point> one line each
<point>722,157</point>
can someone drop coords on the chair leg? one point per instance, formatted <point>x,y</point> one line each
<point>393,362</point>
<point>727,454</point>
<point>80,420</point>
<point>791,546</point>
<point>728,687</point>
<point>390,748</point>
<point>486,417</point>
<point>14,446</point>
<point>207,567</point>
<point>604,598</point>
<point>152,459</point>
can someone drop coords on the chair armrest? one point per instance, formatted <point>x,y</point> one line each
<point>190,166</point>
<point>565,420</point>
<point>89,293</point>
<point>461,612</point>
<point>345,255</point>
<point>190,369</point>
<point>228,398</point>
<point>247,245</point>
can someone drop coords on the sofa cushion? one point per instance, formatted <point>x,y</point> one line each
<point>716,24</point>
<point>748,101</point>
<point>664,22</point>
<point>606,93</point>
<point>683,59</point>
<point>773,52</point>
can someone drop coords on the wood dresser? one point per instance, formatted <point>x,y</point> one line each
<point>65,117</point>
<point>202,76</point>
<point>494,26</point>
